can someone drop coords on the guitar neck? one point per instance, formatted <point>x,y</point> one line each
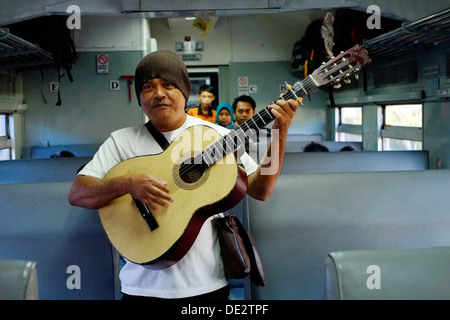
<point>231,141</point>
<point>264,117</point>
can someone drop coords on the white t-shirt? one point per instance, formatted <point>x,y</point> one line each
<point>201,270</point>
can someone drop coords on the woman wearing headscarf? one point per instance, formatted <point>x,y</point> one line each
<point>225,116</point>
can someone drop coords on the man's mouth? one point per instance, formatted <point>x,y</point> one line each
<point>159,105</point>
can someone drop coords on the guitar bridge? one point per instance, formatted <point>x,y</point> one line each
<point>146,214</point>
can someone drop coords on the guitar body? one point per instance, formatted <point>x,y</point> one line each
<point>197,195</point>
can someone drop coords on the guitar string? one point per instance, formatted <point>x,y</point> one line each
<point>265,116</point>
<point>209,154</point>
<point>214,152</point>
<point>308,82</point>
<point>290,94</point>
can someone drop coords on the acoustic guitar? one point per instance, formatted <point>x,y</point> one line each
<point>203,176</point>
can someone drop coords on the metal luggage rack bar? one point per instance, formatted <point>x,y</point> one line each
<point>422,34</point>
<point>16,52</point>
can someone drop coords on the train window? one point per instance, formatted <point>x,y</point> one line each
<point>5,141</point>
<point>350,124</point>
<point>2,125</point>
<point>402,127</point>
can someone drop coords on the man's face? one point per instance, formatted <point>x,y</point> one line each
<point>163,103</point>
<point>243,112</point>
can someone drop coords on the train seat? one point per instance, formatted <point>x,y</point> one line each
<point>396,274</point>
<point>18,280</point>
<point>321,162</point>
<point>78,150</point>
<point>72,252</point>
<point>309,215</point>
<point>41,170</point>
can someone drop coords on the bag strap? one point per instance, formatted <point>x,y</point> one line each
<point>159,137</point>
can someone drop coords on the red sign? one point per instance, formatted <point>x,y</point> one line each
<point>102,63</point>
<point>102,59</point>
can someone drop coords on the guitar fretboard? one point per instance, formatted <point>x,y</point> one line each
<point>231,141</point>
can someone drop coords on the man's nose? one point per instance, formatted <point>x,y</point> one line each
<point>160,91</point>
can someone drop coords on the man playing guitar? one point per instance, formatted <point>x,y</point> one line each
<point>162,89</point>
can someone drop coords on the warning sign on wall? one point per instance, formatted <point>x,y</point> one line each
<point>242,85</point>
<point>102,63</point>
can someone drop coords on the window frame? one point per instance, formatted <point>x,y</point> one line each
<point>344,128</point>
<point>406,133</point>
<point>6,140</point>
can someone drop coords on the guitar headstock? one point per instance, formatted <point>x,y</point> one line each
<point>341,67</point>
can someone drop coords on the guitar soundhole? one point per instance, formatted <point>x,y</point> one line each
<point>191,175</point>
<point>190,172</point>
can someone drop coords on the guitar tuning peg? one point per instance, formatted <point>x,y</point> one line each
<point>337,85</point>
<point>288,86</point>
<point>357,75</point>
<point>347,78</point>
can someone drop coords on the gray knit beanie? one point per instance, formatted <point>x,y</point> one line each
<point>164,64</point>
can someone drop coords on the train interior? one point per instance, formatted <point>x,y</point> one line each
<point>336,220</point>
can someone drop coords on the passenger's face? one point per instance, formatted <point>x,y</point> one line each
<point>206,98</point>
<point>224,117</point>
<point>243,112</point>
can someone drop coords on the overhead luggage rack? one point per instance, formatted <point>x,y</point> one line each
<point>16,52</point>
<point>423,34</point>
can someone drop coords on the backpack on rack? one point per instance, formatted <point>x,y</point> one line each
<point>309,52</point>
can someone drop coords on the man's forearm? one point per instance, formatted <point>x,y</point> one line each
<point>94,193</point>
<point>262,183</point>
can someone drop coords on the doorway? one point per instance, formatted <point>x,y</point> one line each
<point>199,77</point>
